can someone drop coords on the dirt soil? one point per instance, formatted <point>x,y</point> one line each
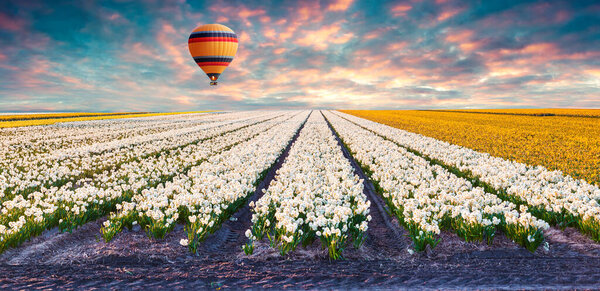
<point>133,261</point>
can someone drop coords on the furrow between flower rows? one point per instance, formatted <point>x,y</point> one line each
<point>209,192</point>
<point>43,172</point>
<point>427,198</point>
<point>72,204</point>
<point>549,195</point>
<point>315,195</point>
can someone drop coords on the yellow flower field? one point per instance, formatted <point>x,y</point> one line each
<point>538,112</point>
<point>15,117</point>
<point>570,144</point>
<point>45,119</point>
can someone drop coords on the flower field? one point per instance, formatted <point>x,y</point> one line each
<point>298,174</point>
<point>567,143</point>
<point>14,117</point>
<point>128,165</point>
<point>549,195</point>
<point>534,112</point>
<point>426,197</point>
<point>314,195</point>
<point>18,120</point>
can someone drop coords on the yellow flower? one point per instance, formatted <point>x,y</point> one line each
<point>563,142</point>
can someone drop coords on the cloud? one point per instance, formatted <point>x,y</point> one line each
<point>324,37</point>
<point>340,5</point>
<point>400,9</point>
<point>241,12</point>
<point>10,23</point>
<point>115,55</point>
<point>449,13</point>
<point>178,57</point>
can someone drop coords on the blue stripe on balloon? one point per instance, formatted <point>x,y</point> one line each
<point>217,59</point>
<point>212,34</point>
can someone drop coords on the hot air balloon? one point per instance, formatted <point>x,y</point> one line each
<point>213,47</point>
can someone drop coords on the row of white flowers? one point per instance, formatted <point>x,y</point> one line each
<point>315,194</point>
<point>208,193</point>
<point>29,171</point>
<point>550,195</point>
<point>69,134</point>
<point>74,204</point>
<point>427,198</point>
<point>62,140</point>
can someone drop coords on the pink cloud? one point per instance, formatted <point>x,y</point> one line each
<point>178,55</point>
<point>547,13</point>
<point>138,52</point>
<point>265,19</point>
<point>594,73</point>
<point>470,46</point>
<point>532,59</point>
<point>289,32</point>
<point>535,14</point>
<point>266,44</point>
<point>244,37</point>
<point>240,11</point>
<point>308,10</point>
<point>279,51</point>
<point>277,61</point>
<point>269,32</point>
<point>340,5</point>
<point>322,38</point>
<point>114,16</point>
<point>42,75</point>
<point>460,36</point>
<point>11,23</point>
<point>303,15</point>
<point>400,9</point>
<point>393,47</point>
<point>446,14</point>
<point>183,100</point>
<point>536,59</point>
<point>28,38</point>
<point>376,33</point>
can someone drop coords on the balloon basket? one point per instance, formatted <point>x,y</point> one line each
<point>214,83</point>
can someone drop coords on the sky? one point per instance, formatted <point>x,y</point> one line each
<point>344,54</point>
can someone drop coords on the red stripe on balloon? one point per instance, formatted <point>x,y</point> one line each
<point>212,64</point>
<point>204,39</point>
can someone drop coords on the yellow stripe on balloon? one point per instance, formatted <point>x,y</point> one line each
<point>213,69</point>
<point>213,48</point>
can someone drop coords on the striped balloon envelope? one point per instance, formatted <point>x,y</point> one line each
<point>213,47</point>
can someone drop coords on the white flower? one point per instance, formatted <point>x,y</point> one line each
<point>535,185</point>
<point>434,192</point>
<point>183,242</point>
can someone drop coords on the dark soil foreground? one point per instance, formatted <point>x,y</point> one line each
<point>133,261</point>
